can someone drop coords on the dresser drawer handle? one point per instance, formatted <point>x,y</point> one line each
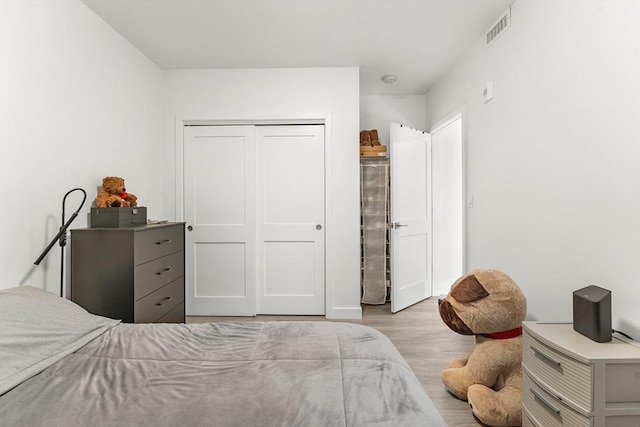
<point>163,301</point>
<point>545,402</point>
<point>162,242</point>
<point>166,270</point>
<point>545,356</point>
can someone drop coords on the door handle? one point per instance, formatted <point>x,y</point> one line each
<point>545,356</point>
<point>398,225</point>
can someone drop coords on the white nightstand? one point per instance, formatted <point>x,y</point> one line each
<point>570,380</point>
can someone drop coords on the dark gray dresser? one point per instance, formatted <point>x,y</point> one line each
<point>135,274</point>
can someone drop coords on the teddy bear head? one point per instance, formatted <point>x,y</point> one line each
<point>483,302</point>
<point>113,185</point>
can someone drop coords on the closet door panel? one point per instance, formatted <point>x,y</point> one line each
<point>290,179</point>
<point>220,212</point>
<point>296,258</point>
<point>218,270</point>
<point>220,183</point>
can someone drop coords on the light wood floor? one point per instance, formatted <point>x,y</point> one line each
<point>422,338</point>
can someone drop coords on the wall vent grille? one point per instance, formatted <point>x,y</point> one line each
<point>497,29</point>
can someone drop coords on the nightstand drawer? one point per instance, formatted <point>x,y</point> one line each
<point>568,378</point>
<point>154,306</point>
<point>546,410</point>
<point>526,420</point>
<point>157,242</point>
<point>157,273</point>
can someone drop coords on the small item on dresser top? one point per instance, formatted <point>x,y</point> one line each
<point>157,221</point>
<point>115,207</point>
<point>113,194</point>
<point>118,217</point>
<point>592,313</point>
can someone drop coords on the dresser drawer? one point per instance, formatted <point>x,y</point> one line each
<point>545,410</point>
<point>157,304</point>
<point>157,242</point>
<point>157,273</point>
<point>568,378</point>
<point>176,315</point>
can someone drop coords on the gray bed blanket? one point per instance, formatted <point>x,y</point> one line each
<point>226,374</point>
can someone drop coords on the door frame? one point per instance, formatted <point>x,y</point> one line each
<point>264,119</point>
<point>465,197</point>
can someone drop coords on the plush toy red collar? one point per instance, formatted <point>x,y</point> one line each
<point>505,335</point>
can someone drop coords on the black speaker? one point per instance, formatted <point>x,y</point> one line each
<point>592,313</point>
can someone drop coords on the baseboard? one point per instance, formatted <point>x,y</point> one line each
<point>344,313</point>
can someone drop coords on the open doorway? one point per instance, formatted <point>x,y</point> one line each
<point>448,203</point>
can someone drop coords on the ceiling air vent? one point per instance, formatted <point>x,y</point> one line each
<point>497,29</point>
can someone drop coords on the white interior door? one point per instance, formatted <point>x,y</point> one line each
<point>290,188</point>
<point>220,212</point>
<point>410,236</point>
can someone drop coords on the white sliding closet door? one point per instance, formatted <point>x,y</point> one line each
<point>290,206</point>
<point>220,212</point>
<point>254,210</point>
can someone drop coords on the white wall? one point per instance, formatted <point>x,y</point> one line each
<point>270,94</point>
<point>379,111</point>
<point>554,159</point>
<point>78,103</point>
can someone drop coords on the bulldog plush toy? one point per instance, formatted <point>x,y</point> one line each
<point>489,305</point>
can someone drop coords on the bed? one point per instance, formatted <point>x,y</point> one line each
<point>62,366</point>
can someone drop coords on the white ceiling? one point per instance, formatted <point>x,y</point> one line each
<point>417,40</point>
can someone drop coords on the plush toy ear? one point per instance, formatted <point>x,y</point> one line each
<point>468,290</point>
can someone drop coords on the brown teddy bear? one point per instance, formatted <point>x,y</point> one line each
<point>114,194</point>
<point>489,305</point>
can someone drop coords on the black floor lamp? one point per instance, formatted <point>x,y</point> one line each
<point>61,237</point>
